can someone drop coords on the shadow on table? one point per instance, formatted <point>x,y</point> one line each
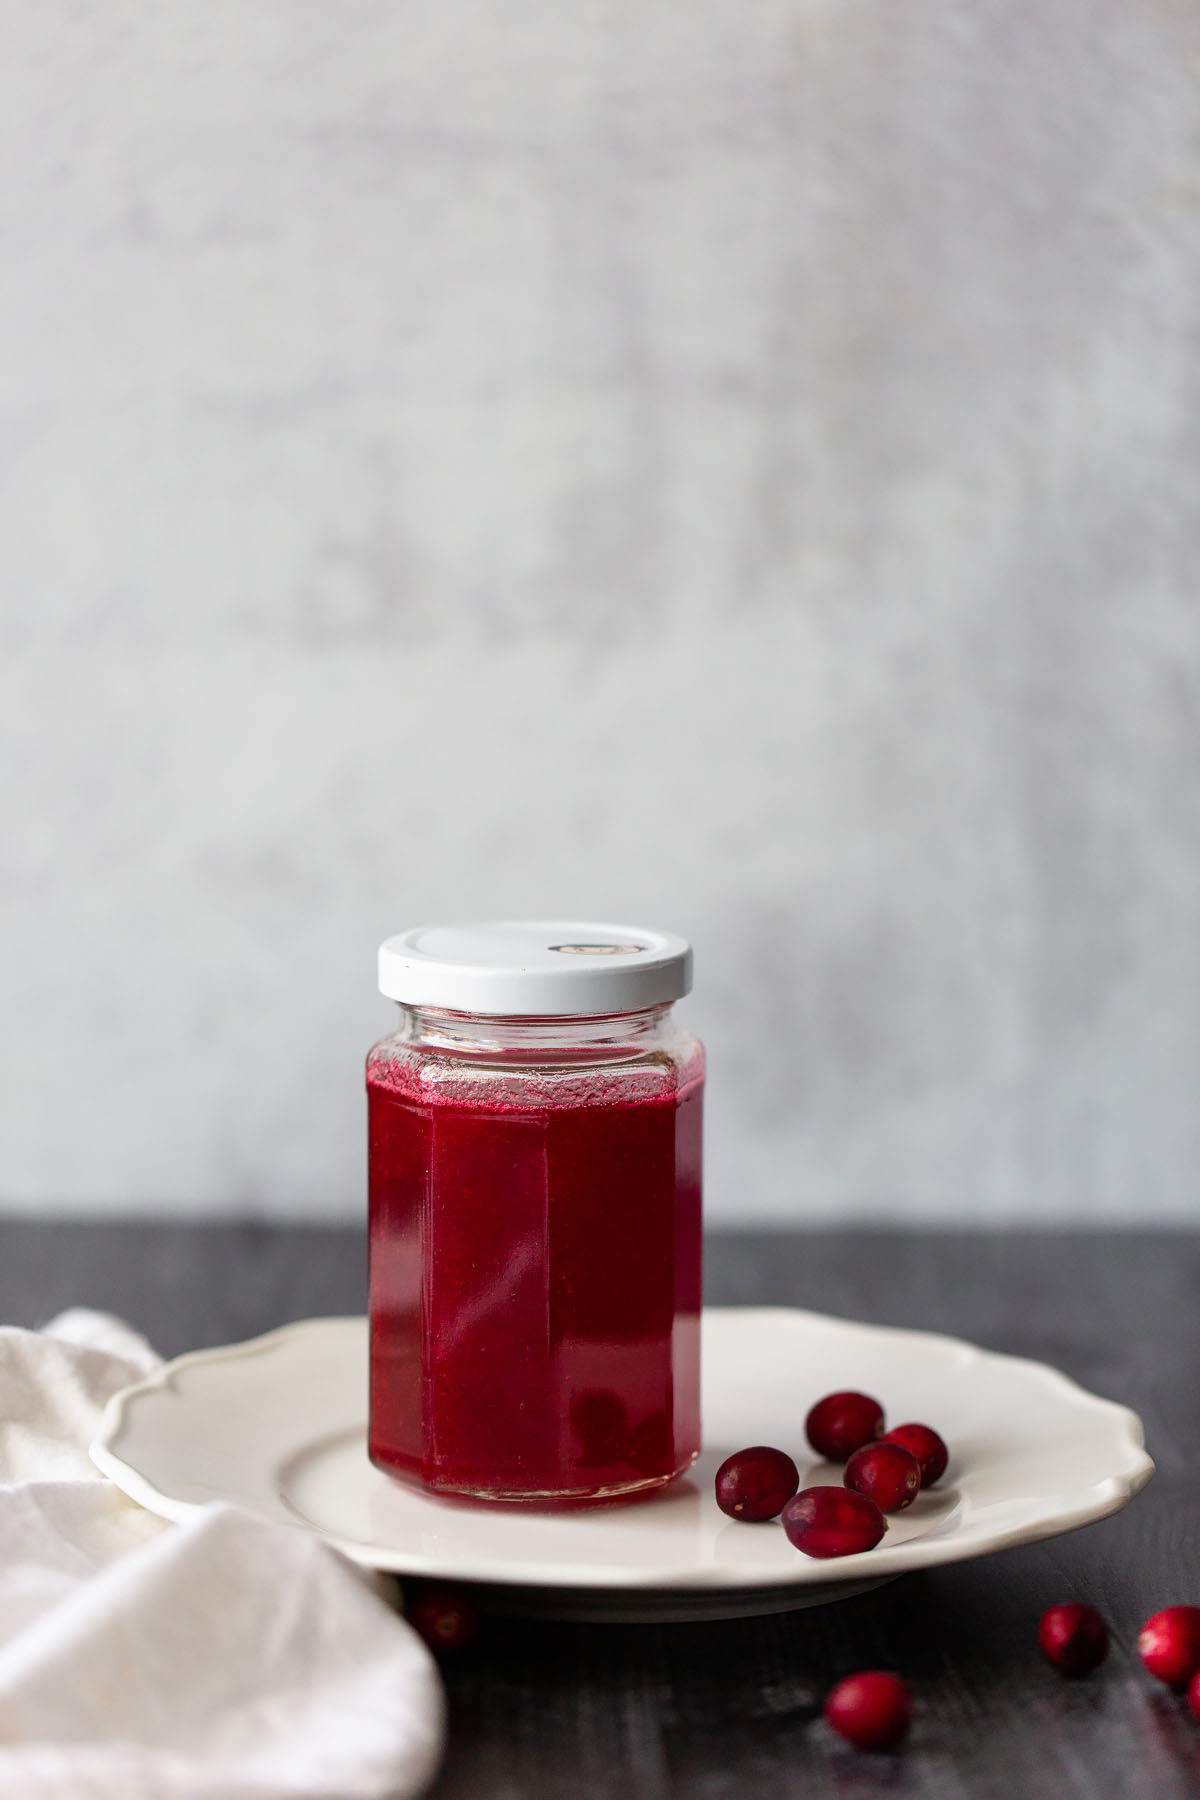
<point>553,1708</point>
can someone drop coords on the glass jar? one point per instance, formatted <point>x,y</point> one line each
<point>535,1172</point>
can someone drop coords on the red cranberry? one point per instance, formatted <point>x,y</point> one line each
<point>756,1484</point>
<point>1193,1695</point>
<point>445,1617</point>
<point>833,1521</point>
<point>928,1448</point>
<point>871,1710</point>
<point>1073,1637</point>
<point>1169,1644</point>
<point>841,1423</point>
<point>888,1474</point>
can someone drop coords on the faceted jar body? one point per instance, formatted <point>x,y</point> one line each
<point>535,1254</point>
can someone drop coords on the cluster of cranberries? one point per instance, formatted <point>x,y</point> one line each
<point>885,1471</point>
<point>874,1711</point>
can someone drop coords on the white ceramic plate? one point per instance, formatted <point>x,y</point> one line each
<point>279,1425</point>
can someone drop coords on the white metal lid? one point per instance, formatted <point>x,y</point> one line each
<point>535,967</point>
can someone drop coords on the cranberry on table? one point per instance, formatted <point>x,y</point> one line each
<point>1193,1695</point>
<point>841,1423</point>
<point>886,1473</point>
<point>1073,1637</point>
<point>444,1616</point>
<point>832,1521</point>
<point>928,1448</point>
<point>757,1483</point>
<point>1169,1644</point>
<point>871,1710</point>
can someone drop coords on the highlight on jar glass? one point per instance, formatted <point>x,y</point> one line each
<point>535,1184</point>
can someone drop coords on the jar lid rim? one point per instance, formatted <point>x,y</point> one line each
<point>535,966</point>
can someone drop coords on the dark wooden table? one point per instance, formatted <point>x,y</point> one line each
<point>718,1711</point>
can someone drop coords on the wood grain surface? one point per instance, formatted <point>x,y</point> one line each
<point>717,1711</point>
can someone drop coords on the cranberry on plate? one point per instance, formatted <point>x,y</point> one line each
<point>928,1448</point>
<point>841,1423</point>
<point>832,1521</point>
<point>756,1484</point>
<point>886,1473</point>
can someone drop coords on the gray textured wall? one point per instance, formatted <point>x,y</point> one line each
<point>727,463</point>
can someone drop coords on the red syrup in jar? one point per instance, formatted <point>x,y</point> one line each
<point>535,1279</point>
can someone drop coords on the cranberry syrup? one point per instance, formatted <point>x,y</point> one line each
<point>535,1279</point>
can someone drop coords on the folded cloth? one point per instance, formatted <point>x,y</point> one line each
<point>224,1659</point>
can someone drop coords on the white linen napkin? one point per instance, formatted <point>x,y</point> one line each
<point>224,1659</point>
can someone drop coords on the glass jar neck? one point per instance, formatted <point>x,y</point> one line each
<point>508,1038</point>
